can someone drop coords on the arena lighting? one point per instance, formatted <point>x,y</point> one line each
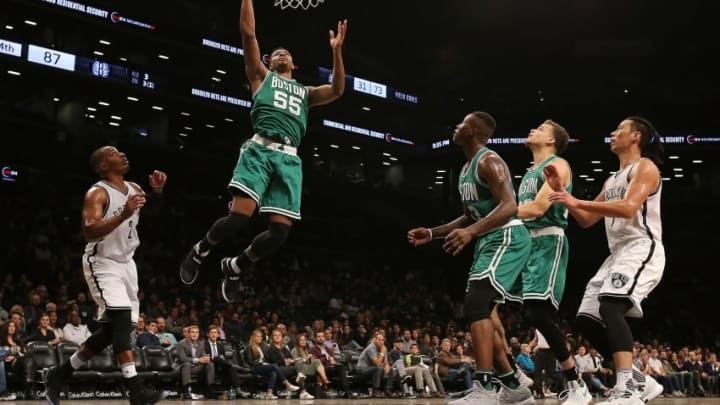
<point>104,42</point>
<point>123,59</point>
<point>55,99</point>
<point>222,72</point>
<point>30,22</point>
<point>216,79</point>
<point>98,53</point>
<point>185,114</point>
<point>14,73</point>
<point>666,178</point>
<point>394,159</point>
<point>114,124</point>
<point>438,182</point>
<point>316,155</point>
<point>334,146</point>
<point>597,170</point>
<point>183,134</point>
<point>443,178</point>
<point>677,169</point>
<point>589,179</point>
<point>92,109</point>
<point>385,154</point>
<point>229,120</point>
<point>697,161</point>
<point>104,103</point>
<point>157,107</point>
<point>440,171</point>
<point>386,163</point>
<point>673,157</point>
<point>9,27</point>
<point>163,57</point>
<point>679,175</point>
<point>188,128</point>
<point>516,176</point>
<point>90,116</point>
<point>595,162</point>
<point>116,117</point>
<point>133,98</point>
<point>211,126</point>
<point>582,176</point>
<point>356,147</point>
<point>366,108</point>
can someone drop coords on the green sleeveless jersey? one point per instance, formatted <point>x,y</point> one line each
<point>280,108</point>
<point>475,195</point>
<point>530,184</point>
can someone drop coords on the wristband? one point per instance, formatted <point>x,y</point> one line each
<point>430,232</point>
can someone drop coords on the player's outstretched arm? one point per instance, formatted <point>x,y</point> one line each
<point>254,68</point>
<point>538,207</point>
<point>93,226</point>
<point>421,236</point>
<point>644,180</point>
<point>330,92</point>
<point>496,174</point>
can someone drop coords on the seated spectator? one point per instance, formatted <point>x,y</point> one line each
<point>74,331</point>
<point>326,355</point>
<point>12,358</point>
<point>407,340</point>
<point>451,366</point>
<point>588,368</point>
<point>373,363</point>
<point>396,358</point>
<point>167,339</point>
<point>279,354</point>
<point>525,362</point>
<point>194,361</point>
<point>711,370</point>
<point>43,332</point>
<point>56,329</point>
<point>307,364</point>
<point>415,366</point>
<point>140,328</point>
<point>16,315</point>
<point>255,357</point>
<point>149,337</point>
<point>33,311</point>
<point>460,352</point>
<point>216,348</point>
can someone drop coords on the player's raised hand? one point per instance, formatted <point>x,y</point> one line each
<point>134,203</point>
<point>418,236</point>
<point>157,180</point>
<point>336,41</point>
<point>553,178</point>
<point>456,241</point>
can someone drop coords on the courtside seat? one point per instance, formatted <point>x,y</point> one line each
<point>159,362</point>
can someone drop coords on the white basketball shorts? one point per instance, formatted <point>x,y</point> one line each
<point>632,271</point>
<point>113,285</point>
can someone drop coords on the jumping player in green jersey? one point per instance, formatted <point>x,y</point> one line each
<point>268,173</point>
<point>501,250</point>
<point>543,278</point>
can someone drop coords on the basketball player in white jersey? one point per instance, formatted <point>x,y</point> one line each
<point>110,215</point>
<point>630,204</point>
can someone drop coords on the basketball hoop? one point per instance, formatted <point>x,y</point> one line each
<point>296,4</point>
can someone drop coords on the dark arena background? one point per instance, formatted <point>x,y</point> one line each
<point>164,81</point>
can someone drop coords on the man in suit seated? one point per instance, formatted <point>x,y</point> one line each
<point>223,366</point>
<point>194,360</point>
<point>149,337</point>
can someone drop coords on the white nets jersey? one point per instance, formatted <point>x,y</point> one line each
<point>645,223</point>
<point>120,244</point>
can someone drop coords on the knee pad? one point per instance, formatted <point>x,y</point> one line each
<point>541,314</point>
<point>121,328</point>
<point>226,227</point>
<point>613,310</point>
<point>479,301</point>
<point>100,339</point>
<point>270,240</point>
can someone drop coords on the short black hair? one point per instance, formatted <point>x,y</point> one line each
<point>97,157</point>
<point>650,142</point>
<point>486,121</point>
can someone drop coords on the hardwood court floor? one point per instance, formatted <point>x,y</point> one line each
<point>660,401</point>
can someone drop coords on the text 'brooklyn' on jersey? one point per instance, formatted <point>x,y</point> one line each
<point>645,223</point>
<point>530,185</point>
<point>120,244</point>
<point>280,108</point>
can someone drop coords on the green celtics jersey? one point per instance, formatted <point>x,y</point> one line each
<point>280,108</point>
<point>475,194</point>
<point>531,183</point>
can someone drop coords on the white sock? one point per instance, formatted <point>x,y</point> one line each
<point>624,379</point>
<point>128,370</point>
<point>76,362</point>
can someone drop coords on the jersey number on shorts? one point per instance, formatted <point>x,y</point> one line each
<point>286,102</point>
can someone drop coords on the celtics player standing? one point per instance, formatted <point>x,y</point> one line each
<point>543,278</point>
<point>630,203</point>
<point>268,173</point>
<point>501,249</point>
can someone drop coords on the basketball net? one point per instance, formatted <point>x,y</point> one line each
<point>304,4</point>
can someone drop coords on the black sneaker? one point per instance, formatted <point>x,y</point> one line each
<point>190,267</point>
<point>231,285</point>
<point>53,385</point>
<point>405,379</point>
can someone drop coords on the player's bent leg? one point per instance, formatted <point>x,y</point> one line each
<point>243,208</point>
<point>263,245</point>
